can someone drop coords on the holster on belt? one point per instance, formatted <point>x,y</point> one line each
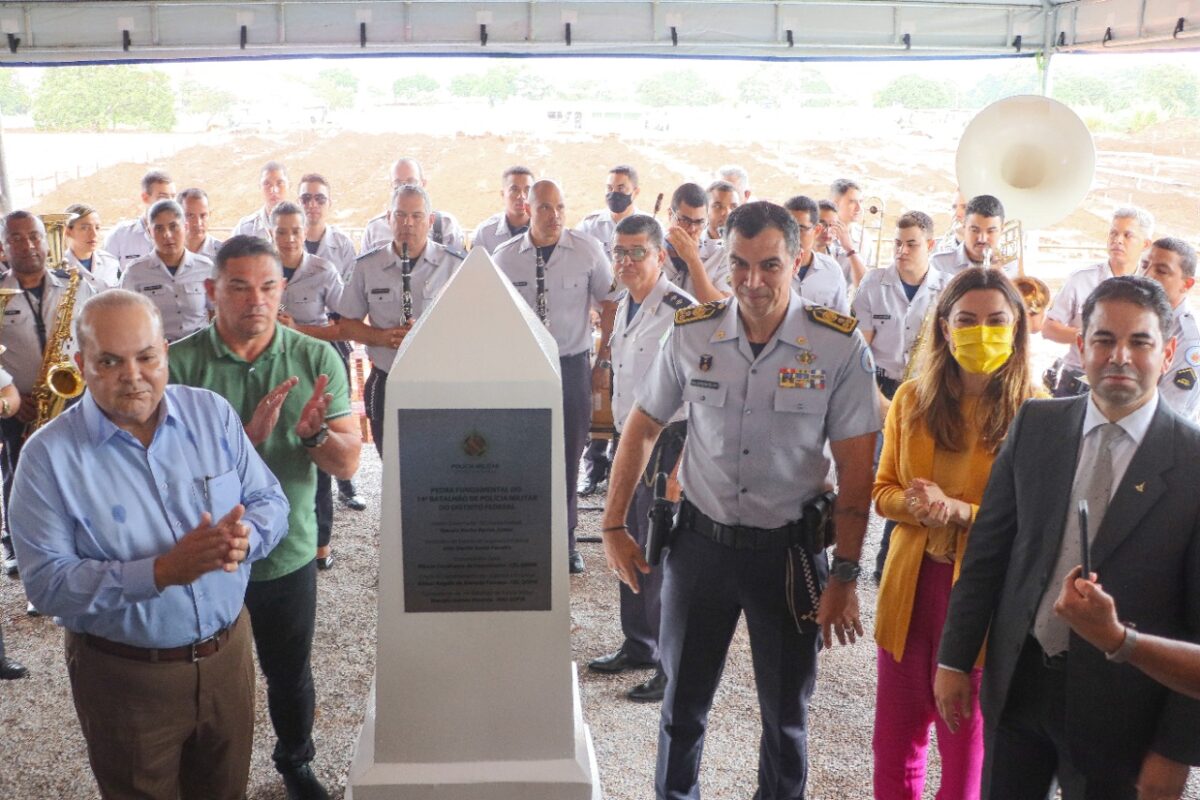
<point>807,565</point>
<point>665,455</point>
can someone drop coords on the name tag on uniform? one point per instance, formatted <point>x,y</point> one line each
<point>703,384</point>
<point>801,378</point>
<point>520,283</point>
<point>381,291</point>
<point>12,312</point>
<point>881,316</point>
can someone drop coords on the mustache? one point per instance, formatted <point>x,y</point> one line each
<point>1119,372</point>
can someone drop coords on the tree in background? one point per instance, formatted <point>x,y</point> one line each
<point>779,85</point>
<point>496,85</point>
<point>676,87</point>
<point>1174,87</point>
<point>412,88</point>
<point>14,97</point>
<point>336,88</point>
<point>208,101</point>
<point>915,92</point>
<point>104,98</point>
<point>1021,78</point>
<point>1091,91</point>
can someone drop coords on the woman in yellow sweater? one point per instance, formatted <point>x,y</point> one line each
<point>942,432</point>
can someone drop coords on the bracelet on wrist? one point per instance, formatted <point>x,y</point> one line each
<point>1122,653</point>
<point>615,528</point>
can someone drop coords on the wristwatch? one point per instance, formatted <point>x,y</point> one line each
<point>318,438</point>
<point>1122,653</point>
<point>845,570</point>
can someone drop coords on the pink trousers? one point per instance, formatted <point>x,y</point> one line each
<point>904,706</point>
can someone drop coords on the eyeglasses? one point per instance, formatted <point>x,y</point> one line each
<point>319,199</point>
<point>688,222</point>
<point>633,254</point>
<point>807,228</point>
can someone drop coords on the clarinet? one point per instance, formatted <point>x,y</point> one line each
<point>542,311</point>
<point>406,282</point>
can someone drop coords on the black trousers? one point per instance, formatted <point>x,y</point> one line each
<point>373,401</point>
<point>706,588</point>
<point>12,433</point>
<point>1027,748</point>
<point>576,374</point>
<point>283,613</point>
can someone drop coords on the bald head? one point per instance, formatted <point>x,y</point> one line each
<point>547,212</point>
<point>117,307</point>
<point>407,171</point>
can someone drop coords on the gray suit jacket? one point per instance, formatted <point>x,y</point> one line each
<point>1147,555</point>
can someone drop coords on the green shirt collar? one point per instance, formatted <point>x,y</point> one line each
<point>221,350</point>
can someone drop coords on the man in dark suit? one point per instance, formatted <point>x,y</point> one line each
<point>1054,705</point>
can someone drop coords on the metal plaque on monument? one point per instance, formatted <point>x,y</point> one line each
<point>475,694</point>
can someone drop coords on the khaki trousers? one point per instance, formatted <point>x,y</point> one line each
<point>168,730</point>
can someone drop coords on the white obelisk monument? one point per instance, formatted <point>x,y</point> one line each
<point>475,694</point>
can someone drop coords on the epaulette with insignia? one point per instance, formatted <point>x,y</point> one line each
<point>456,253</point>
<point>832,319</point>
<point>676,300</point>
<point>703,311</point>
<point>62,274</point>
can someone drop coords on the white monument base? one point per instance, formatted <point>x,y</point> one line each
<point>556,779</point>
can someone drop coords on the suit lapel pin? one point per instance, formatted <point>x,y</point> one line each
<point>1139,487</point>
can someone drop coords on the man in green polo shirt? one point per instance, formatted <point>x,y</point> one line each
<point>291,393</point>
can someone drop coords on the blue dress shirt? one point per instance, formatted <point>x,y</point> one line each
<point>92,509</point>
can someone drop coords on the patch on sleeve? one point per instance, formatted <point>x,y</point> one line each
<point>703,311</point>
<point>1193,356</point>
<point>832,319</point>
<point>676,301</point>
<point>1185,379</point>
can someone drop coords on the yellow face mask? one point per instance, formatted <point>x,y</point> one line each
<point>982,349</point>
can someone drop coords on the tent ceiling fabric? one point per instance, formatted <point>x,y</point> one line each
<point>65,31</point>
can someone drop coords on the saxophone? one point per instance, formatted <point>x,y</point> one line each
<point>917,352</point>
<point>58,379</point>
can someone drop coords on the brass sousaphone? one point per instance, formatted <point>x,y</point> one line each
<point>1037,156</point>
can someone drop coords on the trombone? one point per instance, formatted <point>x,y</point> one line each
<point>872,224</point>
<point>1034,291</point>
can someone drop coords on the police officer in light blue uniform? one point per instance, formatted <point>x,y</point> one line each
<point>514,219</point>
<point>769,381</point>
<point>820,279</point>
<point>578,279</point>
<point>376,290</point>
<point>1172,262</point>
<point>645,315</point>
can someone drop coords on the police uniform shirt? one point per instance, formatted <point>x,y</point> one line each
<point>709,246</point>
<point>105,268</point>
<point>757,427</point>
<point>1067,307</point>
<point>824,284</point>
<point>376,289</point>
<point>955,261</point>
<point>578,277</point>
<point>716,267</point>
<point>180,297</point>
<point>23,357</point>
<point>635,342</point>
<point>313,291</point>
<point>210,247</point>
<point>492,232</point>
<point>379,232</point>
<point>1178,385</point>
<point>601,226</point>
<point>338,249</point>
<point>129,241</point>
<point>256,224</point>
<point>882,306</point>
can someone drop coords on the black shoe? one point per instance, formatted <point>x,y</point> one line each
<point>326,562</point>
<point>11,670</point>
<point>31,611</point>
<point>575,563</point>
<point>651,691</point>
<point>9,557</point>
<point>352,502</point>
<point>587,487</point>
<point>302,784</point>
<point>618,662</point>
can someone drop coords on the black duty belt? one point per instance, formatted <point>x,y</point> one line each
<point>738,537</point>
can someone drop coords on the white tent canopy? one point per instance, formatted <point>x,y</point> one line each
<point>65,31</point>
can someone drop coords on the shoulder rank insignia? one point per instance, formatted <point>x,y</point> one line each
<point>1185,379</point>
<point>832,319</point>
<point>676,301</point>
<point>703,311</point>
<point>456,253</point>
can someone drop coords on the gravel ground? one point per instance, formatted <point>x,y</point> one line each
<point>42,753</point>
